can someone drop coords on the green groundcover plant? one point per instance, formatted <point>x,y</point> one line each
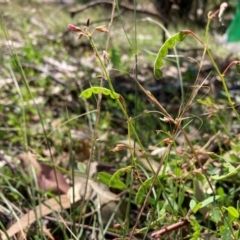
<point>177,195</point>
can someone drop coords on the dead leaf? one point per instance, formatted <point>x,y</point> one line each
<point>47,233</point>
<point>56,183</point>
<point>119,147</point>
<point>79,191</point>
<point>45,208</point>
<point>103,192</point>
<point>100,195</point>
<point>48,178</point>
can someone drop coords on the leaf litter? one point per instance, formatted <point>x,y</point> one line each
<point>61,94</point>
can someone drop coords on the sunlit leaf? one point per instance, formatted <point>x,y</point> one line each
<point>192,204</point>
<point>197,207</point>
<point>209,200</point>
<point>197,230</point>
<point>96,90</point>
<point>115,179</point>
<point>233,211</point>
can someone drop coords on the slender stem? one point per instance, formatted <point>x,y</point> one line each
<point>129,120</point>
<point>224,84</point>
<point>229,66</point>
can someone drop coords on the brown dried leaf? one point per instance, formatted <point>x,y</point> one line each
<point>119,147</point>
<point>47,233</point>
<point>47,177</point>
<point>56,183</point>
<point>102,29</point>
<point>79,191</point>
<point>41,210</point>
<point>100,196</point>
<point>29,162</point>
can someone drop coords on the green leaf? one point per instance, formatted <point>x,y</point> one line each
<point>115,179</point>
<point>170,43</point>
<point>144,188</point>
<point>117,183</point>
<point>209,200</point>
<point>111,180</point>
<point>197,207</point>
<point>233,212</point>
<point>104,177</point>
<point>233,172</point>
<point>225,233</point>
<point>178,172</point>
<point>200,177</point>
<point>230,167</point>
<point>196,230</point>
<point>192,204</point>
<point>216,215</point>
<point>96,90</point>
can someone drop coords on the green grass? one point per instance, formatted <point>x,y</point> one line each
<point>170,161</point>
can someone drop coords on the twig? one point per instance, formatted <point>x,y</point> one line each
<point>169,229</point>
<point>83,7</point>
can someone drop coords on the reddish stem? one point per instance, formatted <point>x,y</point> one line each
<point>230,65</point>
<point>169,229</point>
<point>190,32</point>
<point>221,10</point>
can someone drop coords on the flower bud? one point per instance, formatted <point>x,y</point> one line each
<point>88,22</point>
<point>80,35</point>
<point>74,28</point>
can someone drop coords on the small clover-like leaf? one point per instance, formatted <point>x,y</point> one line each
<point>95,90</point>
<point>114,95</point>
<point>197,207</point>
<point>170,43</point>
<point>106,91</point>
<point>233,211</point>
<point>115,180</point>
<point>88,92</point>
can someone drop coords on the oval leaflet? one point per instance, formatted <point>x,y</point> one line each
<point>170,43</point>
<point>96,90</point>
